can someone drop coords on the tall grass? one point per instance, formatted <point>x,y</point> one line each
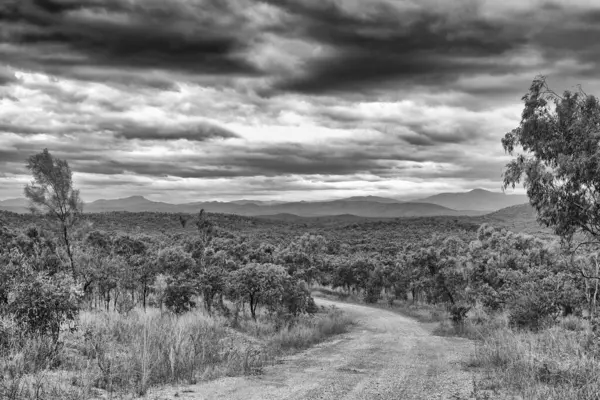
<point>560,362</point>
<point>423,312</point>
<point>308,331</point>
<point>113,354</point>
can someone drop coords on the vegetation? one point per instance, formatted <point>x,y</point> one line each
<point>118,302</point>
<point>85,310</point>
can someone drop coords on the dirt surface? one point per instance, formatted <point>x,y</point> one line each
<point>385,356</point>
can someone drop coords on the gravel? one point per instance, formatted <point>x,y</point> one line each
<point>386,356</point>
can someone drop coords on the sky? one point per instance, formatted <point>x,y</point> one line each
<point>189,100</point>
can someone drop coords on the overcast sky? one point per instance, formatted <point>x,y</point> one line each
<point>186,100</point>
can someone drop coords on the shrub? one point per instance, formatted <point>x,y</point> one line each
<point>263,284</point>
<point>179,297</point>
<point>458,313</point>
<point>296,298</point>
<point>531,312</point>
<point>42,303</point>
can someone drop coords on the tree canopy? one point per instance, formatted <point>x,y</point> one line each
<point>560,163</point>
<point>51,192</point>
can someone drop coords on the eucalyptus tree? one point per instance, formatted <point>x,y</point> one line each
<point>560,165</point>
<point>560,162</point>
<point>52,194</point>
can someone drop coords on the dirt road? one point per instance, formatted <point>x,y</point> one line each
<point>386,356</point>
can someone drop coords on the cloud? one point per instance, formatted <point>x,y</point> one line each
<point>381,45</point>
<point>282,98</point>
<point>7,76</point>
<point>373,44</point>
<point>62,36</point>
<point>199,132</point>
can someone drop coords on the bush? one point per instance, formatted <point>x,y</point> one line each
<point>458,313</point>
<point>296,298</point>
<point>42,303</point>
<point>531,312</point>
<point>179,297</point>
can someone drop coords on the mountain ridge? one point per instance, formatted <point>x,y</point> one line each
<point>476,199</point>
<point>474,203</point>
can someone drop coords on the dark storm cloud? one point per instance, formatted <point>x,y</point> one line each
<point>282,160</point>
<point>576,36</point>
<point>7,76</point>
<point>129,130</point>
<point>385,44</point>
<point>198,132</point>
<point>418,133</point>
<point>365,47</point>
<point>428,46</point>
<point>269,161</point>
<point>28,129</point>
<point>204,37</point>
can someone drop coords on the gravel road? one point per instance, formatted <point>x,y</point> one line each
<point>386,356</point>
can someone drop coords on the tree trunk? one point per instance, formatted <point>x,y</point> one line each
<point>144,295</point>
<point>594,299</point>
<point>115,300</point>
<point>68,246</point>
<point>253,307</point>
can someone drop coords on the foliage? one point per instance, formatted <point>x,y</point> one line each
<point>42,303</point>
<point>259,284</point>
<point>210,283</point>
<point>52,192</point>
<point>179,297</point>
<point>560,138</point>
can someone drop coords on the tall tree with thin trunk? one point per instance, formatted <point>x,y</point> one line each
<point>51,193</point>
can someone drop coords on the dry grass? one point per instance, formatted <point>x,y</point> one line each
<point>422,312</point>
<point>561,362</point>
<point>309,331</point>
<point>113,355</point>
<point>477,326</point>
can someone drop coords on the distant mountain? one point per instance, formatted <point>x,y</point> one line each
<point>14,205</point>
<point>14,202</point>
<point>356,207</point>
<point>132,204</point>
<point>338,207</point>
<point>474,203</point>
<point>519,218</point>
<point>258,202</point>
<point>477,199</point>
<point>372,198</point>
<point>518,212</point>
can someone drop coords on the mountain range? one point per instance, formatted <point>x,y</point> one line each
<point>475,202</point>
<point>477,199</point>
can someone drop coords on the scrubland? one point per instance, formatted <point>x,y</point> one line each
<point>113,355</point>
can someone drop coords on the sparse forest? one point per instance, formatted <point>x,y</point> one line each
<point>119,302</point>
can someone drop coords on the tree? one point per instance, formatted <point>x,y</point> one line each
<point>259,284</point>
<point>210,282</point>
<point>51,192</point>
<point>560,136</point>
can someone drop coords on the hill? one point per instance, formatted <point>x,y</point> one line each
<point>377,208</point>
<point>372,198</point>
<point>474,203</point>
<point>519,218</point>
<point>372,209</point>
<point>131,204</point>
<point>14,205</point>
<point>477,199</point>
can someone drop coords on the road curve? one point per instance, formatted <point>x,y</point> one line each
<point>386,356</point>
